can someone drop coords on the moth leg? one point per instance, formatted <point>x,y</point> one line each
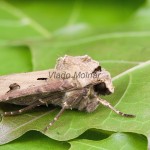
<point>20,111</point>
<point>107,104</point>
<point>43,102</point>
<point>56,117</point>
<point>71,99</point>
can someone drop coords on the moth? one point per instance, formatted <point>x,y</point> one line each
<point>76,82</point>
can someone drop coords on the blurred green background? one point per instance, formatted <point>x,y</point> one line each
<point>33,34</point>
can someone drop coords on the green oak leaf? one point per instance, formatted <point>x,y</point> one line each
<point>117,37</point>
<point>35,141</point>
<point>115,141</point>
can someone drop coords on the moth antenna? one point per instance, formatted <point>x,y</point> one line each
<point>55,119</point>
<point>107,104</point>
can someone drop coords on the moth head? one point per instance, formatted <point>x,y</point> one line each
<point>104,86</point>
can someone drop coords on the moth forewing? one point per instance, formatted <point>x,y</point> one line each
<point>25,80</point>
<point>30,88</point>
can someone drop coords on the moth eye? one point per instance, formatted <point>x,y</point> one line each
<point>97,69</point>
<point>101,89</point>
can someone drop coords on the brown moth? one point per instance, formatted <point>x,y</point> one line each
<point>75,83</point>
